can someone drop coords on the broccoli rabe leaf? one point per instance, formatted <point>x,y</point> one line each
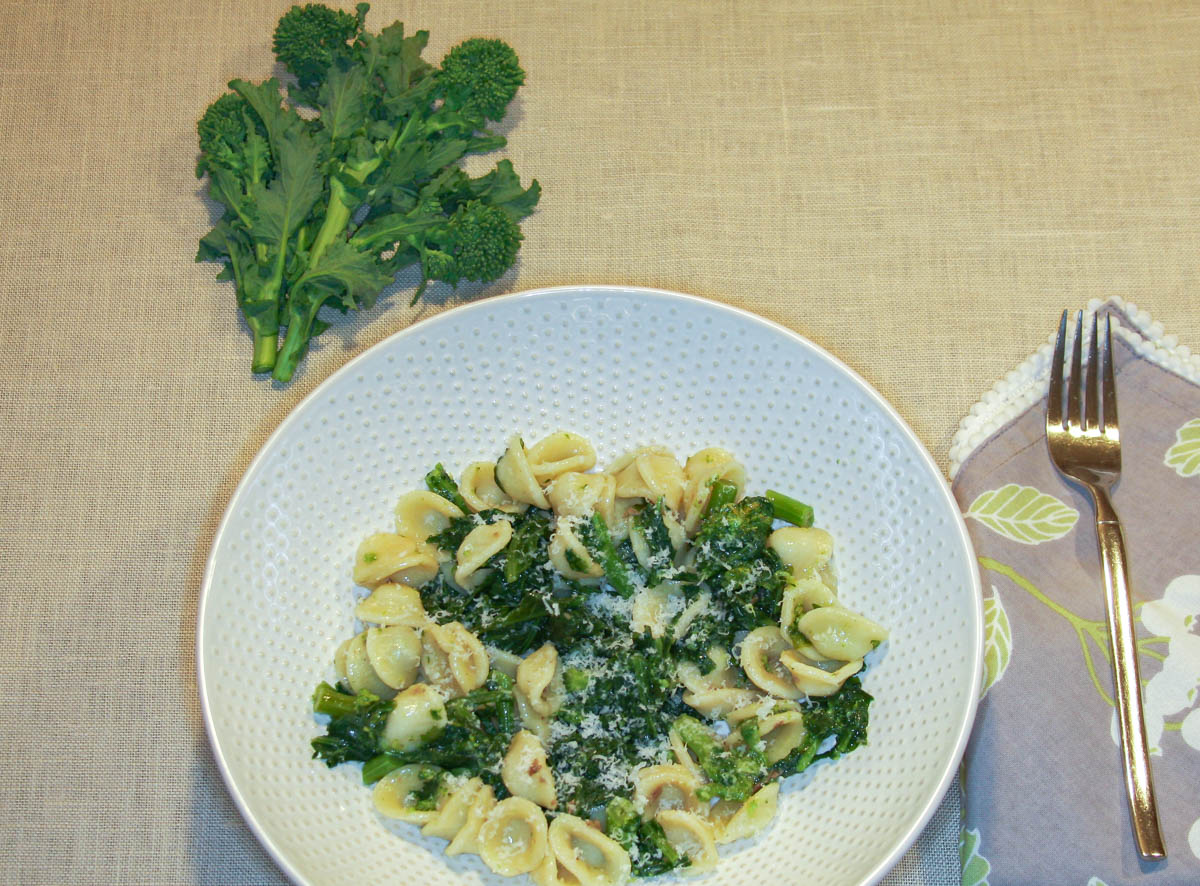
<point>844,714</point>
<point>355,726</point>
<point>732,534</point>
<point>651,527</point>
<point>439,482</point>
<point>599,544</point>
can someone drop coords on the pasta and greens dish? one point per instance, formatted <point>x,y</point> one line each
<point>588,675</point>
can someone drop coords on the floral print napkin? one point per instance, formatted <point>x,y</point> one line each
<point>1043,795</point>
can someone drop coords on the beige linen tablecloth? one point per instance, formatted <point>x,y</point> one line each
<point>918,187</point>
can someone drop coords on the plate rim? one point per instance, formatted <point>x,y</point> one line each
<point>250,474</point>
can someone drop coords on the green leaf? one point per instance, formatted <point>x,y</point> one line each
<point>286,202</point>
<point>1023,514</point>
<point>1184,455</point>
<point>354,275</point>
<point>343,101</point>
<point>997,641</point>
<point>975,868</point>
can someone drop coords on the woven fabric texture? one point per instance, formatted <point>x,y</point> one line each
<point>919,187</point>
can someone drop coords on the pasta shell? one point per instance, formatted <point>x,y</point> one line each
<point>481,492</point>
<point>360,674</point>
<point>581,855</point>
<point>421,513</point>
<point>539,679</point>
<point>395,654</point>
<point>760,660</point>
<point>418,713</point>
<point>467,838</point>
<point>746,819</point>
<point>453,659</point>
<point>387,556</point>
<point>814,681</point>
<point>526,772</point>
<point>452,815</point>
<point>666,786</point>
<point>650,476</point>
<point>692,836</point>
<point>568,555</point>
<point>513,839</point>
<point>803,550</point>
<point>515,476</point>
<point>559,453</point>
<point>393,795</point>
<point>580,495</point>
<point>392,604</point>
<point>481,544</point>
<point>700,472</point>
<point>839,634</point>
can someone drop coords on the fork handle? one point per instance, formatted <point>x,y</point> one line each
<point>1139,785</point>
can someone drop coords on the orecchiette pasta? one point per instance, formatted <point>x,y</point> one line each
<point>736,821</point>
<point>421,514</point>
<point>690,835</point>
<point>515,476</point>
<point>392,604</point>
<point>581,855</point>
<point>461,815</point>
<point>481,492</point>
<point>353,664</point>
<point>650,475</point>
<point>839,634</point>
<point>481,544</point>
<point>513,837</point>
<point>559,453</point>
<point>700,472</point>
<point>814,681</point>
<point>395,654</point>
<point>572,710</point>
<point>666,786</point>
<point>539,680</point>
<point>393,795</point>
<point>387,556</point>
<point>526,773</point>
<point>418,712</point>
<point>453,659</point>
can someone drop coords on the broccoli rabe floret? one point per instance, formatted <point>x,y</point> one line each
<point>480,77</point>
<point>733,772</point>
<point>308,38</point>
<point>645,841</point>
<point>355,727</point>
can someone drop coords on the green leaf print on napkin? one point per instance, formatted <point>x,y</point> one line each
<point>1023,514</point>
<point>975,868</point>
<point>1184,455</point>
<point>997,640</point>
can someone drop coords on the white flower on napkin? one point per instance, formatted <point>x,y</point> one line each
<point>1174,688</point>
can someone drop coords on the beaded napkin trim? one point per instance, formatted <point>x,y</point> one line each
<point>1025,385</point>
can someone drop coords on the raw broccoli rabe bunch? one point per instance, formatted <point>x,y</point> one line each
<point>324,209</point>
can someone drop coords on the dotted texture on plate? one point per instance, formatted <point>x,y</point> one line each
<point>625,368</point>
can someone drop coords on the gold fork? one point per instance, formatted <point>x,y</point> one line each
<point>1086,447</point>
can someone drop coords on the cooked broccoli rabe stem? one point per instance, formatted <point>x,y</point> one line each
<point>596,538</point>
<point>789,509</point>
<point>355,726</point>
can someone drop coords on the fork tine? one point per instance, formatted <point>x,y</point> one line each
<point>1110,384</point>
<point>1054,417</point>
<point>1091,409</point>
<point>1074,400</point>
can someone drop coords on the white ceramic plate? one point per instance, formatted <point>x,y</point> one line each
<point>625,367</point>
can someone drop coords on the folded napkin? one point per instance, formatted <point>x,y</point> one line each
<point>1043,793</point>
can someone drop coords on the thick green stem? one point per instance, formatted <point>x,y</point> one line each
<point>789,509</point>
<point>295,343</point>
<point>265,343</point>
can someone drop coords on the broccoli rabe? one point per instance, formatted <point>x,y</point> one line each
<point>355,726</point>
<point>440,483</point>
<point>733,772</point>
<point>645,841</point>
<point>325,210</point>
<point>599,544</point>
<point>845,714</point>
